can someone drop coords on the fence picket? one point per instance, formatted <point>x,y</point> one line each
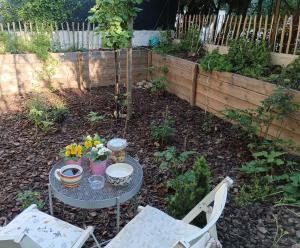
<point>297,38</point>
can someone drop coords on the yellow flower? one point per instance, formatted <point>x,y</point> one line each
<point>79,151</point>
<point>88,143</point>
<point>67,153</point>
<point>97,142</point>
<point>73,149</point>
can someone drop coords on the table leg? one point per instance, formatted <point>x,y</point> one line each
<point>50,199</point>
<point>84,216</point>
<point>118,214</point>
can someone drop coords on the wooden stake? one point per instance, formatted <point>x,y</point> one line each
<point>93,37</point>
<point>82,33</point>
<point>194,85</point>
<point>73,35</point>
<point>254,28</point>
<point>228,33</point>
<point>77,45</point>
<point>259,26</point>
<point>282,34</point>
<point>69,36</point>
<point>249,27</point>
<point>63,35</point>
<point>224,31</point>
<point>297,38</point>
<point>244,25</point>
<point>239,28</point>
<point>266,27</point>
<point>290,35</point>
<point>88,36</point>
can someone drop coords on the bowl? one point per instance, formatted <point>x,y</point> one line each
<point>119,174</point>
<point>69,175</point>
<point>96,182</point>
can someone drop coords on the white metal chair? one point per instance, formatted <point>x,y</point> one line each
<point>35,229</point>
<point>152,228</point>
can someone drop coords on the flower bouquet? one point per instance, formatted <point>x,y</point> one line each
<point>72,154</point>
<point>98,157</point>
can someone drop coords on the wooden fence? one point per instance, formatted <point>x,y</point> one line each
<point>282,34</point>
<point>218,91</point>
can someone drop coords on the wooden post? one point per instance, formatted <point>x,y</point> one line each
<point>266,27</point>
<point>149,64</point>
<point>80,69</point>
<point>63,35</point>
<point>73,34</point>
<point>93,37</point>
<point>88,37</point>
<point>194,85</point>
<point>282,34</point>
<point>276,31</point>
<point>290,35</point>
<point>69,37</point>
<point>82,33</point>
<point>239,28</point>
<point>77,45</point>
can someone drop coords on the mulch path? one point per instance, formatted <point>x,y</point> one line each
<point>26,157</point>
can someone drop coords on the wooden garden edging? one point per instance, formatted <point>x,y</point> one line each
<point>217,91</point>
<point>20,73</point>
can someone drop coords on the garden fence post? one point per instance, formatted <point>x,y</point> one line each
<point>194,85</point>
<point>149,64</point>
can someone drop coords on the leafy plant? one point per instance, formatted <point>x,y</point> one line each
<point>94,118</point>
<point>172,161</point>
<point>158,86</point>
<point>252,192</point>
<point>163,131</point>
<point>189,188</point>
<point>164,69</point>
<point>191,40</point>
<point>215,62</point>
<point>28,198</point>
<point>43,114</point>
<point>166,45</point>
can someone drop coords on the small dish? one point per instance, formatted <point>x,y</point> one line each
<point>96,182</point>
<point>119,174</point>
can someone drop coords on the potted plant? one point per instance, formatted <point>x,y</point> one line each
<point>90,141</point>
<point>72,154</point>
<point>98,157</point>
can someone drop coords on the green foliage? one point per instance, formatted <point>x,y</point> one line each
<point>289,76</point>
<point>166,45</point>
<point>278,106</point>
<point>249,58</point>
<point>37,10</point>
<point>172,161</point>
<point>164,69</point>
<point>163,131</point>
<point>94,118</point>
<point>215,62</point>
<point>191,40</point>
<point>252,192</point>
<point>44,114</point>
<point>189,188</point>
<point>112,18</point>
<point>158,86</point>
<point>28,198</point>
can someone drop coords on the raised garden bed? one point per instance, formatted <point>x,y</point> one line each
<point>217,91</point>
<point>26,157</point>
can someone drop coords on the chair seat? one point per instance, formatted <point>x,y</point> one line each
<point>44,229</point>
<point>152,228</point>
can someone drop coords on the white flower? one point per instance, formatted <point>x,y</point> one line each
<point>99,146</point>
<point>101,152</point>
<point>94,149</point>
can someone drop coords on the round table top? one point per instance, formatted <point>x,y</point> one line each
<point>84,196</point>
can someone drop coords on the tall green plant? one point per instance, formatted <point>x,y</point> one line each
<point>112,18</point>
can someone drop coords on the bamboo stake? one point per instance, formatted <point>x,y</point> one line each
<point>82,33</point>
<point>218,36</point>
<point>88,36</point>
<point>297,37</point>
<point>73,34</point>
<point>271,27</point>
<point>282,34</point>
<point>228,33</point>
<point>234,26</point>
<point>259,26</point>
<point>239,28</point>
<point>69,36</point>
<point>93,36</point>
<point>290,35</point>
<point>225,28</point>
<point>63,35</point>
<point>244,25</point>
<point>77,45</point>
<point>254,27</point>
<point>266,27</point>
<point>276,31</point>
<point>249,27</point>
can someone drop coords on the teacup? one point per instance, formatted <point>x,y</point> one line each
<point>69,175</point>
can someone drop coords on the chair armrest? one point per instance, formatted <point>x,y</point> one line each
<point>140,209</point>
<point>181,244</point>
<point>84,236</point>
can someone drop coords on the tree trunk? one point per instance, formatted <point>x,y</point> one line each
<point>117,83</point>
<point>129,72</point>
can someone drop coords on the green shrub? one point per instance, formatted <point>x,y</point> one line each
<point>94,118</point>
<point>3,42</point>
<point>189,188</point>
<point>215,62</point>
<point>28,198</point>
<point>158,86</point>
<point>164,69</point>
<point>249,58</point>
<point>191,40</point>
<point>44,114</point>
<point>163,131</point>
<point>171,161</point>
<point>166,44</point>
<point>41,46</point>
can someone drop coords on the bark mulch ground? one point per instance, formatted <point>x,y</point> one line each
<point>26,157</point>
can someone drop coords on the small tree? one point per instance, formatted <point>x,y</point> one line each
<point>114,19</point>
